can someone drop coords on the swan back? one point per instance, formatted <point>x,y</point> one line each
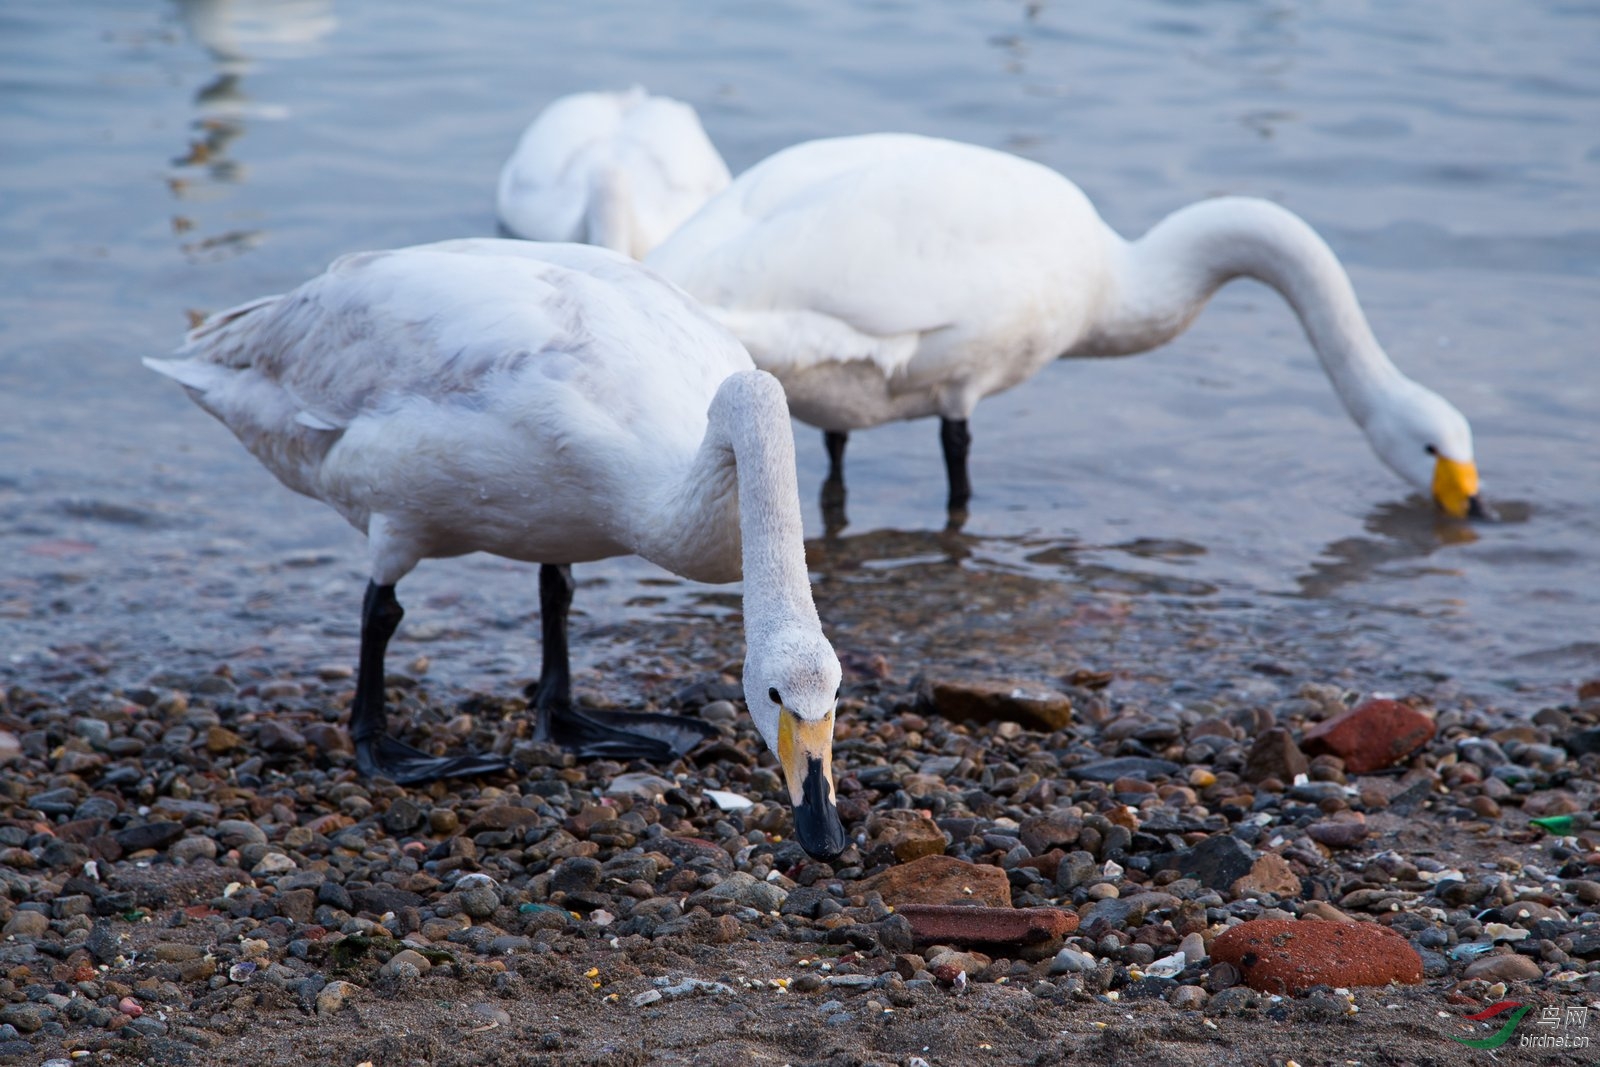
<point>557,387</point>
<point>946,270</point>
<point>619,169</point>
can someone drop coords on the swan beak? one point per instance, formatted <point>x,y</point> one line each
<point>805,748</point>
<point>1455,488</point>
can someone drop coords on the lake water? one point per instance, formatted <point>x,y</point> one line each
<point>165,157</point>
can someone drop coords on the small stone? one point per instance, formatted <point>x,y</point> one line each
<point>1371,736</point>
<point>941,880</point>
<point>278,736</point>
<point>1289,956</point>
<point>1109,770</point>
<point>156,835</point>
<point>405,958</point>
<point>220,739</point>
<point>749,891</point>
<point>27,924</point>
<point>1270,875</point>
<point>235,833</point>
<point>987,701</point>
<point>1506,967</point>
<point>1217,862</point>
<point>1275,755</point>
<point>272,864</point>
<point>402,816</point>
<point>1188,998</point>
<point>27,1018</point>
<point>909,835</point>
<point>335,995</point>
<point>480,901</point>
<point>1071,961</point>
<point>1344,832</point>
<point>190,849</point>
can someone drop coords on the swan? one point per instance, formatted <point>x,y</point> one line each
<point>547,403</point>
<point>615,169</point>
<point>893,276</point>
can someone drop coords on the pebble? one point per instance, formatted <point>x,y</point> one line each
<point>334,996</point>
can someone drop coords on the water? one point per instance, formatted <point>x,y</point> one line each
<point>163,157</point>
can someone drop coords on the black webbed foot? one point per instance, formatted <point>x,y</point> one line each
<point>623,735</point>
<point>383,756</point>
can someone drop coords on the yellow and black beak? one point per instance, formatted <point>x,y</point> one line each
<point>805,748</point>
<point>1455,489</point>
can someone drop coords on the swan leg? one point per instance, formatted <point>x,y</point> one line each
<point>378,754</point>
<point>594,734</point>
<point>956,440</point>
<point>834,441</point>
<point>833,494</point>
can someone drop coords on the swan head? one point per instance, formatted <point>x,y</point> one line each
<point>791,685</point>
<point>1426,441</point>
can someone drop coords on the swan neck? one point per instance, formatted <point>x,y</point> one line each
<point>745,465</point>
<point>611,220</point>
<point>1167,276</point>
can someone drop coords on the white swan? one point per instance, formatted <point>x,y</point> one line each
<point>892,276</point>
<point>619,169</point>
<point>548,403</point>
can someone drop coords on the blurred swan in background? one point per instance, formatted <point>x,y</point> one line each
<point>617,169</point>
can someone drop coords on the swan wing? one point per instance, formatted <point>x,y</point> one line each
<point>890,247</point>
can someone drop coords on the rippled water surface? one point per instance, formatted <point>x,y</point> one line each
<point>161,158</point>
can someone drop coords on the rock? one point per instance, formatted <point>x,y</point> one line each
<point>949,963</point>
<point>641,785</point>
<point>480,901</point>
<point>176,952</point>
<point>1109,770</point>
<point>750,891</point>
<point>155,835</point>
<point>1217,862</point>
<point>1289,957</point>
<point>909,835</point>
<point>272,864</point>
<point>578,876</point>
<point>1506,967</point>
<point>220,739</point>
<point>987,701</point>
<point>335,995</point>
<point>501,817</point>
<point>1048,830</point>
<point>190,849</point>
<point>1071,961</point>
<point>999,927</point>
<point>278,736</point>
<point>235,833</point>
<point>27,924</point>
<point>941,880</point>
<point>381,899</point>
<point>1187,998</point>
<point>1371,736</point>
<point>399,963</point>
<point>1270,875</point>
<point>1275,755</point>
<point>1343,832</point>
<point>402,816</point>
<point>25,1017</point>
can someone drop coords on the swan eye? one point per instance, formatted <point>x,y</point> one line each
<point>772,695</point>
<point>1430,450</point>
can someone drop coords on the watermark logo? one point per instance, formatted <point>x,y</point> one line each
<point>1553,1026</point>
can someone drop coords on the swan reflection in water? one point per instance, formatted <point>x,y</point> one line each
<point>1403,531</point>
<point>235,33</point>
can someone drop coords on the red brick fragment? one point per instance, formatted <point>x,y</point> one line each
<point>1371,736</point>
<point>1289,956</point>
<point>955,924</point>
